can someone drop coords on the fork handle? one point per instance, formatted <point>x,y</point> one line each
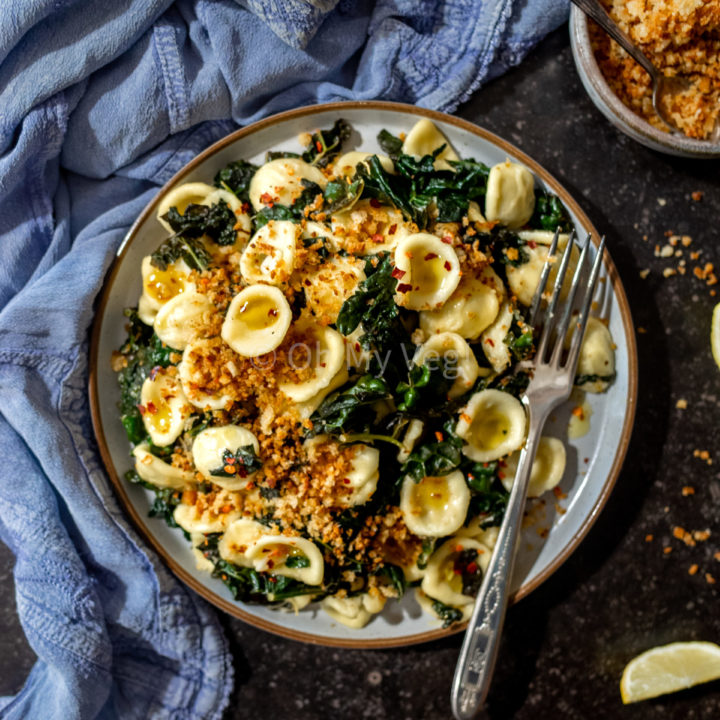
<point>593,9</point>
<point>482,638</point>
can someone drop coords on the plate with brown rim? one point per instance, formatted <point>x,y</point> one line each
<point>554,528</point>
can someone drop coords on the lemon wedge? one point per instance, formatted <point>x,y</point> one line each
<point>715,334</point>
<point>669,668</point>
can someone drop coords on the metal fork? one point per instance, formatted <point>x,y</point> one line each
<point>553,372</point>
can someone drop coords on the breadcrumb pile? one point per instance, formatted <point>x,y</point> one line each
<point>680,38</point>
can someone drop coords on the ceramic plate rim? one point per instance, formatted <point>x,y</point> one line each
<point>138,521</point>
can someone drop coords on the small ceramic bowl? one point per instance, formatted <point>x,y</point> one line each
<point>616,112</point>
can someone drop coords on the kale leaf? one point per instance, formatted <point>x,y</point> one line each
<point>373,305</point>
<point>435,458</point>
<point>584,379</point>
<point>488,495</point>
<point>325,145</point>
<point>217,221</point>
<point>142,351</point>
<point>449,615</point>
<point>236,177</point>
<point>550,214</point>
<point>340,194</point>
<point>351,409</point>
<point>390,144</point>
<point>177,247</point>
<point>427,385</point>
<point>241,463</point>
<point>294,212</point>
<point>519,338</point>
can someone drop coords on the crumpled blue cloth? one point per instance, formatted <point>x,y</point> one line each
<point>100,104</point>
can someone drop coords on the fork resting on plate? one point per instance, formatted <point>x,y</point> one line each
<point>553,372</point>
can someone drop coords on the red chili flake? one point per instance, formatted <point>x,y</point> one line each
<point>377,238</point>
<point>447,239</point>
<point>231,461</point>
<point>532,244</point>
<point>142,409</point>
<point>318,146</point>
<point>392,229</point>
<point>273,579</point>
<point>438,436</point>
<point>457,571</point>
<point>346,481</point>
<point>229,469</point>
<point>272,312</point>
<point>430,256</point>
<point>151,408</point>
<point>501,475</point>
<point>245,207</point>
<point>374,202</point>
<point>490,342</point>
<point>322,364</point>
<point>404,287</point>
<point>267,199</point>
<point>472,567</point>
<point>398,274</point>
<point>307,282</point>
<point>271,564</point>
<point>447,265</point>
<point>417,287</point>
<point>357,347</point>
<point>242,471</point>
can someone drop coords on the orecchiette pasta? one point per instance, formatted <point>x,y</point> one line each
<point>321,379</point>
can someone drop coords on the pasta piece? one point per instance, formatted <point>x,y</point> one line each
<point>313,231</point>
<point>596,365</point>
<point>547,469</point>
<point>474,213</point>
<point>354,612</point>
<point>475,530</point>
<point>462,363</point>
<point>239,537</point>
<point>279,182</point>
<point>201,562</point>
<point>198,193</point>
<point>428,271</point>
<point>424,139</point>
<point>308,407</point>
<point>257,320</point>
<point>293,557</point>
<point>164,407</point>
<point>182,318</point>
<point>156,471</point>
<point>412,435</point>
<point>492,425</point>
<point>453,565</point>
<point>510,195</point>
<point>208,451</point>
<point>364,474</point>
<point>524,279</point>
<point>493,339</point>
<point>471,308</point>
<point>435,506</point>
<point>323,350</point>
<point>347,164</point>
<point>331,284</point>
<point>367,229</point>
<point>206,519</point>
<point>270,255</point>
<point>159,286</point>
<point>191,372</point>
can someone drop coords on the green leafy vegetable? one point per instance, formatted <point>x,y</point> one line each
<point>519,338</point>
<point>427,385</point>
<point>436,458</point>
<point>177,247</point>
<point>294,212</point>
<point>585,379</point>
<point>351,409</point>
<point>394,576</point>
<point>341,194</point>
<point>241,463</point>
<point>325,145</point>
<point>236,177</point>
<point>428,548</point>
<point>142,351</point>
<point>373,305</point>
<point>488,495</point>
<point>217,221</point>
<point>449,615</point>
<point>390,144</point>
<point>550,213</point>
<point>297,561</point>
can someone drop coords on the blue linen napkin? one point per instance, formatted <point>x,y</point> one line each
<point>99,106</point>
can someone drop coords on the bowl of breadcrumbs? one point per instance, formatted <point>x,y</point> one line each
<point>680,37</point>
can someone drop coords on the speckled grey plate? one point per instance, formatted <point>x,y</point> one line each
<point>593,461</point>
<point>616,112</point>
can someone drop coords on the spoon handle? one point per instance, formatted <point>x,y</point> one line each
<point>593,9</point>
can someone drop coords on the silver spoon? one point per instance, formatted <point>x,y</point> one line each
<point>662,84</point>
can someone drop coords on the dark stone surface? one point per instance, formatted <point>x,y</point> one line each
<point>566,644</point>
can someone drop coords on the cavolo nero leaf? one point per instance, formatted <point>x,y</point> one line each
<point>217,221</point>
<point>373,305</point>
<point>177,247</point>
<point>236,177</point>
<point>325,145</point>
<point>550,213</point>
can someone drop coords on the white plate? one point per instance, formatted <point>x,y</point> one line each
<point>593,461</point>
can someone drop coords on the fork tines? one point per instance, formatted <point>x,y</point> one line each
<point>551,326</point>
